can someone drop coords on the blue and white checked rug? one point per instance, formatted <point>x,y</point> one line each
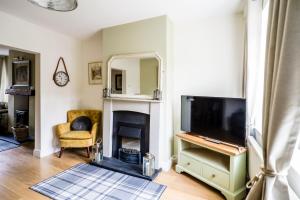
<point>6,145</point>
<point>88,182</point>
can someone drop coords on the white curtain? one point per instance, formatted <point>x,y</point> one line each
<point>4,81</point>
<point>281,113</point>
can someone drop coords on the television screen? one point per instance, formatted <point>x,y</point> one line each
<point>222,119</point>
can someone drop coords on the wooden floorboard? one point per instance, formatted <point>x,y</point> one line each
<point>19,170</point>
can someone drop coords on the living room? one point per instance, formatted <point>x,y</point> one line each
<point>84,67</point>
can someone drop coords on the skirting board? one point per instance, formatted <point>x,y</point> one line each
<point>37,153</point>
<point>166,165</point>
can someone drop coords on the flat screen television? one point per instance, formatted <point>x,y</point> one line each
<point>218,118</point>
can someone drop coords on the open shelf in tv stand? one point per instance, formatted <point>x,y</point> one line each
<point>222,165</point>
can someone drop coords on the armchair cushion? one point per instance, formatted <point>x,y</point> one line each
<point>82,123</point>
<point>76,135</point>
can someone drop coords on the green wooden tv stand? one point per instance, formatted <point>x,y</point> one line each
<point>221,166</point>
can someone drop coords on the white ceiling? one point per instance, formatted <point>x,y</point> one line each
<point>93,15</point>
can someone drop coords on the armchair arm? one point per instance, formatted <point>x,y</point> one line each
<point>62,128</point>
<point>94,132</point>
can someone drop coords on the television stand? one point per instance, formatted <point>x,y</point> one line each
<point>219,165</point>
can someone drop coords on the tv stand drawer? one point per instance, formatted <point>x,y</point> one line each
<point>216,176</point>
<point>190,164</point>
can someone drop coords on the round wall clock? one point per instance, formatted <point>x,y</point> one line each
<point>61,78</point>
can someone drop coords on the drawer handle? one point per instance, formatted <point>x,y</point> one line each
<point>188,164</point>
<point>213,175</point>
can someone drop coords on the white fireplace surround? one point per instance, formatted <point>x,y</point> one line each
<point>156,136</point>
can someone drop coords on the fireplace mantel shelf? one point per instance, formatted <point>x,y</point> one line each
<point>20,91</point>
<point>133,99</point>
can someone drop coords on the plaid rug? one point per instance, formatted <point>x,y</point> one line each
<point>5,145</point>
<point>88,182</point>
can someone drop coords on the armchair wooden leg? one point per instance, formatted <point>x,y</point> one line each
<point>61,152</point>
<point>88,152</point>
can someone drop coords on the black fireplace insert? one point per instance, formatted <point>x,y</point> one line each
<point>130,136</point>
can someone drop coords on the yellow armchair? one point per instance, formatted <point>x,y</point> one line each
<point>79,139</point>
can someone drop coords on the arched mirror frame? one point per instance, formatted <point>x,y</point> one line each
<point>141,56</point>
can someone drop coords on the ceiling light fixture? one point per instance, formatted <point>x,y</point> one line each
<point>57,5</point>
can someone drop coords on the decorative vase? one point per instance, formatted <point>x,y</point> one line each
<point>148,164</point>
<point>97,151</point>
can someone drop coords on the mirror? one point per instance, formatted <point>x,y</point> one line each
<point>134,75</point>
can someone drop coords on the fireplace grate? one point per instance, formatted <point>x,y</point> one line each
<point>131,156</point>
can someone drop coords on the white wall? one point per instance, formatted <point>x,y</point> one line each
<point>208,59</point>
<point>91,95</point>
<point>52,101</point>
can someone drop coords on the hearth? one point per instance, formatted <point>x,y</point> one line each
<point>117,165</point>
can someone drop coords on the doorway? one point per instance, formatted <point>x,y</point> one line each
<point>18,81</point>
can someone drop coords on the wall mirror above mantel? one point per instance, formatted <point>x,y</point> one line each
<point>135,76</point>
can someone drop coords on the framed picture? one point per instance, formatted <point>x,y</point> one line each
<point>95,73</point>
<point>21,73</point>
<point>118,84</point>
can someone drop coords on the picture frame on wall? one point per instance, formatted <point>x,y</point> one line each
<point>21,73</point>
<point>95,73</point>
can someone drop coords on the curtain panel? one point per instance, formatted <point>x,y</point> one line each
<point>4,80</point>
<point>281,113</point>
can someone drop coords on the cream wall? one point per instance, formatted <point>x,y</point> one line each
<point>91,95</point>
<point>208,59</point>
<point>51,101</point>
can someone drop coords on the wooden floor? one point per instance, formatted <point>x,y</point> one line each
<point>19,170</point>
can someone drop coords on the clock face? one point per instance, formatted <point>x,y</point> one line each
<point>61,78</point>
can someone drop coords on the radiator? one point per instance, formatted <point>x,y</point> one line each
<point>255,157</point>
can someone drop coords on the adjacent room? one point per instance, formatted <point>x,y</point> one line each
<point>149,100</point>
<point>17,97</point>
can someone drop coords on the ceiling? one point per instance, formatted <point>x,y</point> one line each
<point>93,15</point>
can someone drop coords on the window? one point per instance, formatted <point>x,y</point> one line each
<point>256,74</point>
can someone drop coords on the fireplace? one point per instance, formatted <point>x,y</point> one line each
<point>21,117</point>
<point>130,140</point>
<point>132,128</point>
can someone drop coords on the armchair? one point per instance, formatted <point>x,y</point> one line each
<point>79,139</point>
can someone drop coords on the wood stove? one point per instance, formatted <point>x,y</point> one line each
<point>21,117</point>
